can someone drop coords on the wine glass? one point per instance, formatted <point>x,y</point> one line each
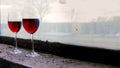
<point>31,24</point>
<point>14,23</point>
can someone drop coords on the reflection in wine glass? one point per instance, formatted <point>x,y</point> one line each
<point>14,23</point>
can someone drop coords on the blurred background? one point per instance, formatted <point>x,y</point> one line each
<point>94,23</point>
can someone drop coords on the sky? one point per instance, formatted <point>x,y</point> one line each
<point>74,10</point>
<point>87,10</point>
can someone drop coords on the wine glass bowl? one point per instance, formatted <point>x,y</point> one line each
<point>14,26</point>
<point>31,25</point>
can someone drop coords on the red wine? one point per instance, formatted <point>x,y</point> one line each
<point>14,26</point>
<point>31,25</point>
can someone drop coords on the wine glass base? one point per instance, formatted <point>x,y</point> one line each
<point>33,54</point>
<point>15,51</point>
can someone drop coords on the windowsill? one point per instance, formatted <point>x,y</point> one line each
<point>82,53</point>
<point>44,60</point>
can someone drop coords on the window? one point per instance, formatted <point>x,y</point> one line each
<point>88,22</point>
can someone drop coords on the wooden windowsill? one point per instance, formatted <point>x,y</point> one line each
<point>43,61</point>
<point>50,53</point>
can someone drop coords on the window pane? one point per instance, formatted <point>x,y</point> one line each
<point>86,22</point>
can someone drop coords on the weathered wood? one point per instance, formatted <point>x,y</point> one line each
<point>43,61</point>
<point>98,55</point>
<point>7,64</point>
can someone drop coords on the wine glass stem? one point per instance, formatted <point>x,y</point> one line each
<point>16,41</point>
<point>32,43</point>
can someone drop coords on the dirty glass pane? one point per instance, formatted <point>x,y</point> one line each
<point>94,23</point>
